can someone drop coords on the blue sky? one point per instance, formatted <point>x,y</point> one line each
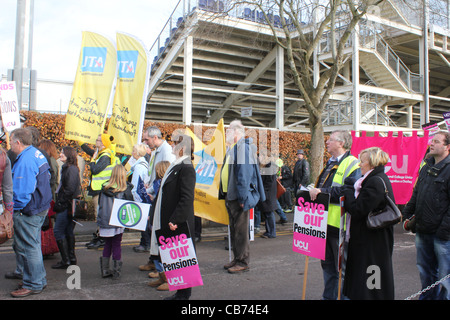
<point>58,26</point>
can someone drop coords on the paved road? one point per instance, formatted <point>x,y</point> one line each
<point>276,273</point>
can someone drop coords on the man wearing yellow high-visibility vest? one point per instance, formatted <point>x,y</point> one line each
<point>102,162</point>
<point>340,166</point>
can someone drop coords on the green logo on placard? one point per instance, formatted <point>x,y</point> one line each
<point>129,214</point>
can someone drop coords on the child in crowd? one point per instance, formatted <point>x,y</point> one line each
<point>160,169</point>
<point>161,283</point>
<point>116,188</point>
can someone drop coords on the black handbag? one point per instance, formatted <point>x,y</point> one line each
<point>386,217</point>
<point>80,208</point>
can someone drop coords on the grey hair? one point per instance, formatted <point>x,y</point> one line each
<point>345,137</point>
<point>154,131</point>
<point>237,126</point>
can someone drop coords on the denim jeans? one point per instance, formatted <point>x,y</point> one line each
<point>281,212</point>
<point>257,215</point>
<point>433,262</point>
<point>27,246</point>
<point>270,224</point>
<point>63,225</point>
<point>158,265</point>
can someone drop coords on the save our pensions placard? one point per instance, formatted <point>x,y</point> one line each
<point>9,106</point>
<point>129,214</point>
<point>179,258</point>
<point>310,225</point>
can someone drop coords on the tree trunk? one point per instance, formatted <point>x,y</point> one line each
<point>317,149</point>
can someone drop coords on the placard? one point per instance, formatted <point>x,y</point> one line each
<point>310,225</point>
<point>342,231</point>
<point>9,106</point>
<point>129,214</point>
<point>178,258</point>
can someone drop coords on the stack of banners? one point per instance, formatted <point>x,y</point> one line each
<point>310,225</point>
<point>432,128</point>
<point>342,231</point>
<point>405,155</point>
<point>178,258</point>
<point>130,98</point>
<point>92,89</point>
<point>208,161</point>
<point>129,214</point>
<point>9,106</point>
<point>447,120</point>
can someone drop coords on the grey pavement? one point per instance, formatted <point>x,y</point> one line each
<point>276,272</point>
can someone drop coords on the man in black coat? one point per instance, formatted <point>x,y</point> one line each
<point>430,207</point>
<point>286,180</point>
<point>301,172</point>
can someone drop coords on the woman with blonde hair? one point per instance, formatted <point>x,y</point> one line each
<point>139,170</point>
<point>369,250</point>
<point>116,188</point>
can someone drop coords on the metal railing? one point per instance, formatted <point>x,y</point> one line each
<point>341,113</point>
<point>169,31</point>
<point>186,8</point>
<point>370,39</point>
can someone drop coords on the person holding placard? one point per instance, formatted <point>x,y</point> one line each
<point>174,203</point>
<point>340,166</point>
<point>116,188</point>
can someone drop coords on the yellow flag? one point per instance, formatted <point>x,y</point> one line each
<point>92,89</point>
<point>208,160</point>
<point>130,99</point>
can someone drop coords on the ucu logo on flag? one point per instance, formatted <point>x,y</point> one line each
<point>206,168</point>
<point>94,59</point>
<point>127,60</point>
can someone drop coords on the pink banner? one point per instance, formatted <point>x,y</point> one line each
<point>405,154</point>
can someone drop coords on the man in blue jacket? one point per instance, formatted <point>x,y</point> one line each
<point>241,186</point>
<point>31,195</point>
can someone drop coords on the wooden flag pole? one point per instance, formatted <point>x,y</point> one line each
<point>8,144</point>
<point>305,277</point>
<point>339,285</point>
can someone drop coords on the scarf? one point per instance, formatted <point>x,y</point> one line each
<point>154,248</point>
<point>359,182</point>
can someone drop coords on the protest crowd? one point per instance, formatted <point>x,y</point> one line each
<point>40,183</point>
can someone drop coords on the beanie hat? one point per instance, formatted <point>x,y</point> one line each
<point>107,140</point>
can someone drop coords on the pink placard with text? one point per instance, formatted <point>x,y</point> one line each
<point>178,258</point>
<point>310,225</point>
